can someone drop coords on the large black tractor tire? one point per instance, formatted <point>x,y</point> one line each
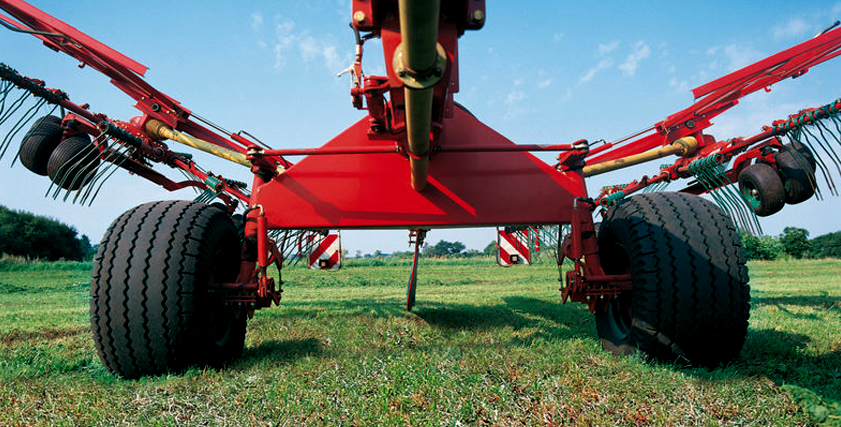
<point>39,142</point>
<point>763,189</point>
<point>153,309</point>
<point>73,163</point>
<point>690,298</point>
<point>798,179</point>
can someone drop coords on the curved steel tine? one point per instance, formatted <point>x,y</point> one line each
<point>829,152</point>
<point>98,171</point>
<point>20,124</point>
<point>826,171</point>
<point>14,107</point>
<point>38,123</point>
<point>804,164</point>
<point>832,154</point>
<point>96,193</point>
<point>70,163</point>
<point>795,137</point>
<point>91,149</point>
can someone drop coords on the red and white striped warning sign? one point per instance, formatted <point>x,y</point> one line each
<point>326,253</point>
<point>513,247</point>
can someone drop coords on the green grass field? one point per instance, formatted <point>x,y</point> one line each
<point>484,346</point>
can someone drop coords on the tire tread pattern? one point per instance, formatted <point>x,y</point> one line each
<point>690,298</point>
<point>147,286</point>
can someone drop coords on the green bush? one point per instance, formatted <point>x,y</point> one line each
<point>761,248</point>
<point>825,246</point>
<point>10,263</point>
<point>795,241</point>
<point>32,236</point>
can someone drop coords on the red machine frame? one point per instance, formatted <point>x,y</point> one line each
<point>417,160</point>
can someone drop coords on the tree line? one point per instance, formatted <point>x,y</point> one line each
<point>793,242</point>
<point>33,236</point>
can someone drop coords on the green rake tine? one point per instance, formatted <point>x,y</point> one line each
<point>835,134</point>
<point>720,200</point>
<point>97,172</point>
<point>819,161</point>
<point>795,137</point>
<point>41,120</point>
<point>20,124</point>
<point>91,149</point>
<point>96,193</point>
<point>65,166</point>
<point>287,238</point>
<point>820,125</point>
<point>804,164</point>
<point>113,164</point>
<point>14,107</point>
<point>737,201</point>
<point>827,172</point>
<point>753,223</point>
<point>4,92</point>
<point>830,151</point>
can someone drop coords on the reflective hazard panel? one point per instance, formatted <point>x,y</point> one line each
<point>513,247</point>
<point>326,252</point>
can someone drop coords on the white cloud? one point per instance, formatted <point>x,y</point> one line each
<point>740,56</point>
<point>558,37</point>
<point>308,47</point>
<point>604,63</point>
<point>567,95</point>
<point>753,112</point>
<point>283,32</point>
<point>795,27</point>
<point>679,85</point>
<point>256,21</point>
<point>641,51</point>
<point>604,49</point>
<point>515,97</point>
<point>544,83</point>
<point>734,57</point>
<point>332,59</point>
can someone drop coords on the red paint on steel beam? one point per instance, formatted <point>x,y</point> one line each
<point>371,190</point>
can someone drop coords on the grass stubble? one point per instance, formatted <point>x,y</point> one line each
<point>484,346</point>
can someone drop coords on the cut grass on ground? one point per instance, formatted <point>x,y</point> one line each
<point>484,345</point>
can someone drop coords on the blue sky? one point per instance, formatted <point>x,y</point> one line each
<point>550,72</point>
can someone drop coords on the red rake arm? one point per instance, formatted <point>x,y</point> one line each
<point>124,72</point>
<point>719,95</point>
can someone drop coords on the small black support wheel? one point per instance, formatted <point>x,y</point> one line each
<point>804,152</point>
<point>690,298</point>
<point>798,179</point>
<point>39,142</point>
<point>73,163</point>
<point>153,307</point>
<point>762,188</point>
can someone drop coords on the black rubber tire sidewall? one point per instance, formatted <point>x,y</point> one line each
<point>151,311</point>
<point>39,142</point>
<point>769,186</point>
<point>690,298</point>
<point>73,163</point>
<point>804,152</point>
<point>798,181</point>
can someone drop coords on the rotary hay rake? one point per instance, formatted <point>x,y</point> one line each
<point>174,282</point>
